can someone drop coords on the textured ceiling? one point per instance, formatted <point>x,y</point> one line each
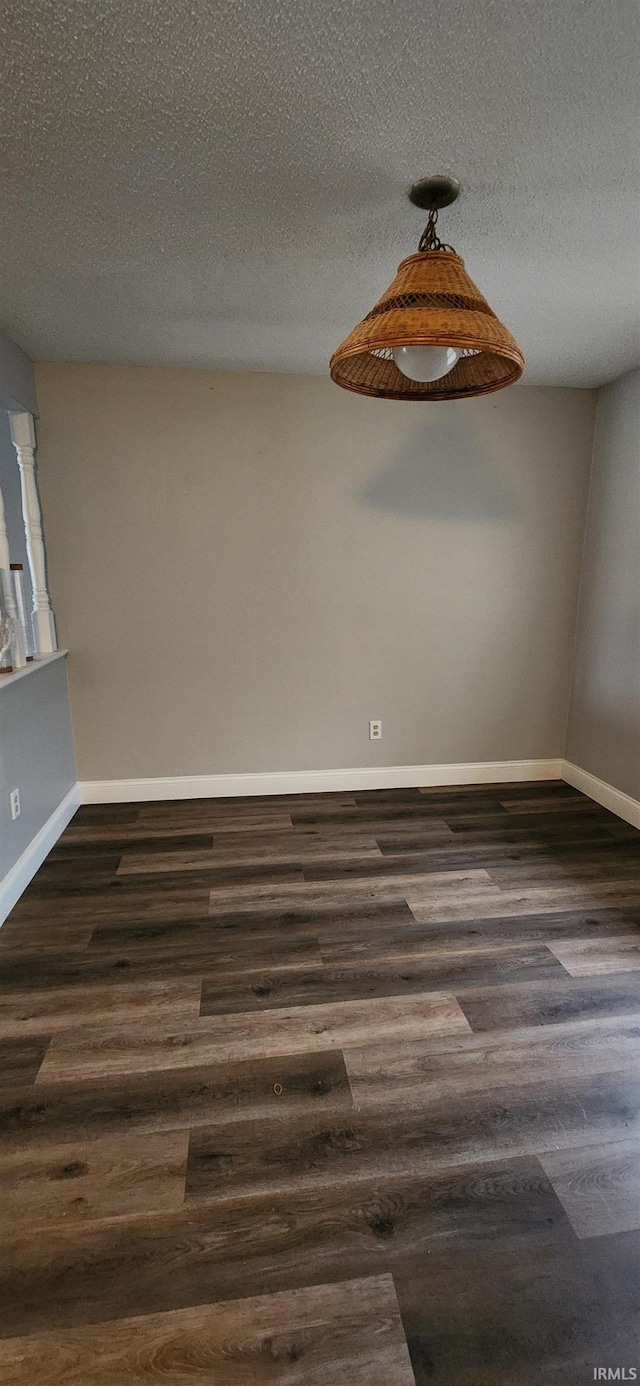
<point>222,184</point>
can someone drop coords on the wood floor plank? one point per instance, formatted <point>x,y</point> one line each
<point>510,1313</point>
<point>347,1332</point>
<point>284,1086</point>
<point>20,1060</point>
<point>238,1160</point>
<point>412,1074</point>
<point>181,814</point>
<point>546,803</point>
<point>415,811</point>
<point>551,1002</point>
<point>95,1179</point>
<point>319,835</point>
<point>266,807</point>
<point>297,1029</point>
<point>606,867</point>
<point>59,878</point>
<point>503,849</point>
<point>159,830</point>
<point>22,936</point>
<point>176,901</point>
<point>211,872</point>
<point>344,939</point>
<point>559,834</point>
<point>108,814</point>
<point>347,943</point>
<point>246,930</point>
<point>43,1012</point>
<point>498,787</point>
<point>462,822</point>
<point>489,901</point>
<point>386,867</point>
<point>599,1186</point>
<point>275,854</point>
<point>261,1245</point>
<point>442,886</point>
<point>591,957</point>
<point>429,830</point>
<point>522,868</point>
<point>76,848</point>
<point>271,987</point>
<point>624,831</point>
<point>303,897</point>
<point>137,958</point>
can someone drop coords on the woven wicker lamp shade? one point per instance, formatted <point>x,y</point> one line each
<point>431,302</point>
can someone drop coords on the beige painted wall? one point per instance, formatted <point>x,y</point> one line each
<point>247,568</point>
<point>604,723</point>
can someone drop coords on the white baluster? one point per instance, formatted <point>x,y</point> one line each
<point>24,440</point>
<point>4,538</point>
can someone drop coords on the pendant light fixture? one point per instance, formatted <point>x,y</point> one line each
<point>432,335</point>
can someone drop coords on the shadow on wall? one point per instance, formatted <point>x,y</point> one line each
<point>444,472</point>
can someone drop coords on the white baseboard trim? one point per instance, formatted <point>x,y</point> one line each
<point>614,799</point>
<point>317,781</point>
<point>23,871</point>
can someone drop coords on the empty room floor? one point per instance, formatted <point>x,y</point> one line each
<point>324,1089</point>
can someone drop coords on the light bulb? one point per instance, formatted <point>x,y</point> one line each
<point>425,362</point>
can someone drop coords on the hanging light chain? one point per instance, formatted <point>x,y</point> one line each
<point>430,239</point>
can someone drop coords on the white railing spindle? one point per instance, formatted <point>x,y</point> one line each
<point>24,441</point>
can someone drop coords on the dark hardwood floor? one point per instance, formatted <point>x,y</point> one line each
<point>322,1090</point>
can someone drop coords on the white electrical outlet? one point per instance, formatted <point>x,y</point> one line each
<point>14,800</point>
<point>375,730</point>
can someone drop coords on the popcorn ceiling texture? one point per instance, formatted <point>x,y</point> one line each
<point>189,182</point>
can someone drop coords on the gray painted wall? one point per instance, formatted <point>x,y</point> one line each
<point>17,384</point>
<point>36,754</point>
<point>247,568</point>
<point>604,720</point>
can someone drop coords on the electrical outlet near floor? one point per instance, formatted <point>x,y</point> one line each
<point>14,800</point>
<point>375,730</point>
